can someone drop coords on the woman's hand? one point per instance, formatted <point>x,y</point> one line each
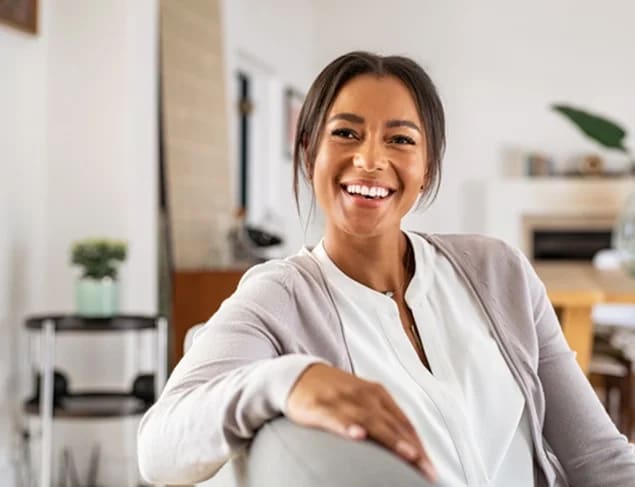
<point>333,400</point>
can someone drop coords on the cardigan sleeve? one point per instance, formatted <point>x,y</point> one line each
<point>576,426</point>
<point>233,379</point>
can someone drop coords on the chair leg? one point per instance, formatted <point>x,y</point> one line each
<point>607,394</point>
<point>610,386</point>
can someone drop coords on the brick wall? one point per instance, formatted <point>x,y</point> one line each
<point>195,132</point>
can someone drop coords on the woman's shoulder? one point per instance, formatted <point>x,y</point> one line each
<point>273,290</point>
<point>295,274</point>
<point>485,258</point>
<point>467,240</point>
<point>473,246</point>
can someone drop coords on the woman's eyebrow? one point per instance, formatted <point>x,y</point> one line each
<point>349,117</point>
<point>402,123</point>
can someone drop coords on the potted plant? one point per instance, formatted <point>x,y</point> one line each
<point>96,292</point>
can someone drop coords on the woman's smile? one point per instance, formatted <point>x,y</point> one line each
<point>367,194</point>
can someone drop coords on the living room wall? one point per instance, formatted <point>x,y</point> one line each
<point>278,45</point>
<point>22,184</point>
<point>78,157</point>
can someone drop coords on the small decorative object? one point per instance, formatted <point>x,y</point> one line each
<point>21,14</point>
<point>97,292</point>
<point>292,105</point>
<point>605,132</point>
<point>591,165</point>
<point>248,243</point>
<point>539,165</point>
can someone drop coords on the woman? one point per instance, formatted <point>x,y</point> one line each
<point>443,349</point>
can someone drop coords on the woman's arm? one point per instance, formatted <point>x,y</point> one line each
<point>578,429</point>
<point>231,381</point>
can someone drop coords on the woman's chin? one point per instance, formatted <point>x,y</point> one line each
<point>366,229</point>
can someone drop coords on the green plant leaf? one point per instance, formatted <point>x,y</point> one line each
<point>600,129</point>
<point>98,258</point>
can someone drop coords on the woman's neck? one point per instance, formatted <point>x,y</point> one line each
<point>384,263</point>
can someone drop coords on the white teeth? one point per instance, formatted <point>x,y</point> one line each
<point>369,191</point>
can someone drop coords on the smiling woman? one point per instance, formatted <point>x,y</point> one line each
<point>443,349</point>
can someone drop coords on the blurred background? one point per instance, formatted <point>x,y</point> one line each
<point>166,125</point>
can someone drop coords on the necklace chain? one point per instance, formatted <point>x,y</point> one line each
<point>409,264</point>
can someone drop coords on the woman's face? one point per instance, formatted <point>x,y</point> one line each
<point>370,164</point>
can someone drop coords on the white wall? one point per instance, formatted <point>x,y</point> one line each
<point>101,142</point>
<point>78,158</point>
<point>276,45</point>
<point>498,65</point>
<point>22,185</point>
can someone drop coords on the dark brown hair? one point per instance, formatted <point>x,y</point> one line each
<point>327,86</point>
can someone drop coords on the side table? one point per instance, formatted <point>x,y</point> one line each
<point>94,403</point>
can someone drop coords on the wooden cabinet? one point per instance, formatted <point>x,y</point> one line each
<point>196,295</point>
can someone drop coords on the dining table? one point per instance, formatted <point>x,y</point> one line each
<point>574,288</point>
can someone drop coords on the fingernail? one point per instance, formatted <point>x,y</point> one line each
<point>428,470</point>
<point>405,449</point>
<point>355,431</point>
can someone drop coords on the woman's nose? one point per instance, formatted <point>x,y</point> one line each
<point>369,157</point>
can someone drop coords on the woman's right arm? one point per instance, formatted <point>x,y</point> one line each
<point>234,378</point>
<point>231,381</point>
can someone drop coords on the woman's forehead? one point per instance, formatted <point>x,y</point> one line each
<point>371,95</point>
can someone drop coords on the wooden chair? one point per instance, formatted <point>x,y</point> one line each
<point>611,366</point>
<point>611,371</point>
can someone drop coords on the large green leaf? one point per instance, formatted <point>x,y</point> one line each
<point>604,131</point>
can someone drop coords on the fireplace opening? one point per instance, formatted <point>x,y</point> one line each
<point>569,245</point>
<point>565,237</point>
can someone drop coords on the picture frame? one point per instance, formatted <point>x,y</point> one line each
<point>20,14</point>
<point>293,101</point>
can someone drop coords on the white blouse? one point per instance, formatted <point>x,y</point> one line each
<point>467,409</point>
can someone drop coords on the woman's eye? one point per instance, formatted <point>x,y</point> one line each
<point>345,133</point>
<point>402,139</point>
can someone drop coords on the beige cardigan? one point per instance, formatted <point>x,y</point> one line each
<point>239,371</point>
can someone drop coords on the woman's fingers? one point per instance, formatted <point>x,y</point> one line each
<point>375,422</point>
<point>391,406</point>
<point>356,432</point>
<point>385,430</point>
<point>394,411</point>
<point>397,418</point>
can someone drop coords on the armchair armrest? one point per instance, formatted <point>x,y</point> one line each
<point>284,454</point>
